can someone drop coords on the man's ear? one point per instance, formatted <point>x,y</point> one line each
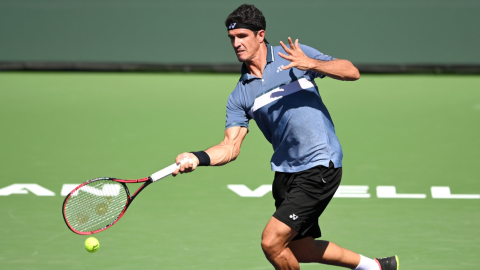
<point>261,36</point>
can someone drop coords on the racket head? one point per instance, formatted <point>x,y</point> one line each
<point>95,205</point>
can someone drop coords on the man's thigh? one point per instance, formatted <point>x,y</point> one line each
<point>300,198</point>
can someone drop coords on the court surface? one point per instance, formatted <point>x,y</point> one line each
<point>411,132</point>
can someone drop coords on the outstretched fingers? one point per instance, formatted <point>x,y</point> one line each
<point>285,48</point>
<point>292,46</point>
<point>296,56</point>
<point>287,57</point>
<point>291,65</point>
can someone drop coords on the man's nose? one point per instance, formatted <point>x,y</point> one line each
<point>236,43</point>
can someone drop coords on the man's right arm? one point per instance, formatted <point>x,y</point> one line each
<point>220,154</point>
<point>229,148</point>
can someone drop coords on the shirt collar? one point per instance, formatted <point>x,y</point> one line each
<point>270,57</point>
<point>247,76</point>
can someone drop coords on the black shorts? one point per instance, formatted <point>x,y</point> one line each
<point>300,198</point>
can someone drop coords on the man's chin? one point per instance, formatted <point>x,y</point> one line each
<point>241,59</point>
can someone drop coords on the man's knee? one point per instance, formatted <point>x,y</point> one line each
<point>276,237</point>
<point>270,247</point>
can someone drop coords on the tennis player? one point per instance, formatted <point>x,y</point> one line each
<point>277,90</point>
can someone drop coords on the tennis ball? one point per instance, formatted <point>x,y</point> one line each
<point>92,244</point>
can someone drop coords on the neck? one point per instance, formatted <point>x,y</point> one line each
<point>255,65</point>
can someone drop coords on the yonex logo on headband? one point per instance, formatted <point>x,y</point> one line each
<point>239,25</point>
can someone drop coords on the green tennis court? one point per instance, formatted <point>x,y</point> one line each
<point>410,132</point>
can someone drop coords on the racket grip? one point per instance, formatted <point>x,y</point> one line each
<point>164,172</point>
<point>168,170</point>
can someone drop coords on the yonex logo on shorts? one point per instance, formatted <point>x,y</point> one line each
<point>293,216</point>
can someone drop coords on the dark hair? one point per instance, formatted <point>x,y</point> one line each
<point>247,14</point>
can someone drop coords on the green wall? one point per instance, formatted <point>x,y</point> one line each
<point>188,31</point>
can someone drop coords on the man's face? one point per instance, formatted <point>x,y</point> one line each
<point>245,43</point>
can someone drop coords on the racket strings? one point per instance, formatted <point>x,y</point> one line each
<point>95,205</point>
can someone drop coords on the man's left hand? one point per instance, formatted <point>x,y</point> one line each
<point>296,56</point>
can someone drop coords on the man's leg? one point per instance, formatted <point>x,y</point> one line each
<point>284,254</point>
<point>311,250</point>
<point>275,240</point>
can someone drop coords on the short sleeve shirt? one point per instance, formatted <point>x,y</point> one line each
<point>288,109</point>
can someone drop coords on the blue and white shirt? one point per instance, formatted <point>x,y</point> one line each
<point>288,109</point>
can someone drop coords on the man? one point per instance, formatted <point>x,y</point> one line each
<point>277,90</point>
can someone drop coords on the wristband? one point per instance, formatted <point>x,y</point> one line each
<point>203,158</point>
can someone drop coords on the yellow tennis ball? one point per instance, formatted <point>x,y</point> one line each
<point>92,244</point>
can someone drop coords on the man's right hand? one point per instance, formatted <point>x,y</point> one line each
<point>188,163</point>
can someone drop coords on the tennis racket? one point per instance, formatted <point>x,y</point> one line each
<point>97,204</point>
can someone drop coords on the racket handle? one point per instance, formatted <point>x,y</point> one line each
<point>167,171</point>
<point>164,172</point>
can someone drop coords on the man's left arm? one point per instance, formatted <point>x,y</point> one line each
<point>339,69</point>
